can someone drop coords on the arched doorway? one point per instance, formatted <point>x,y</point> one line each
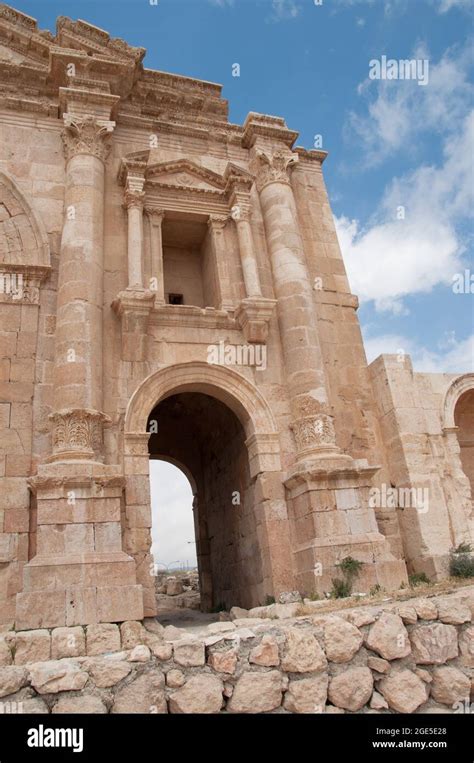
<point>464,421</point>
<point>206,437</point>
<point>215,424</point>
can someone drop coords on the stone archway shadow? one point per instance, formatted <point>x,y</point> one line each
<point>222,383</point>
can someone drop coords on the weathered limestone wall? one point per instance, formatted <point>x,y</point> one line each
<point>423,453</point>
<point>32,225</point>
<point>413,657</point>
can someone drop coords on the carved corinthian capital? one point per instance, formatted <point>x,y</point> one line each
<point>77,433</point>
<point>272,167</point>
<point>312,426</point>
<point>86,135</point>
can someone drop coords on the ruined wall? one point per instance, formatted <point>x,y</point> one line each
<point>416,656</point>
<point>423,454</point>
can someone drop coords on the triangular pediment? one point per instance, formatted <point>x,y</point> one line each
<point>185,174</point>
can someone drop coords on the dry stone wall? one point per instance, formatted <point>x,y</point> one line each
<point>410,657</point>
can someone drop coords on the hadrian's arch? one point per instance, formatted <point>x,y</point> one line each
<point>212,423</point>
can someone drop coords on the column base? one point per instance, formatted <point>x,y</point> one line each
<point>62,591</point>
<point>80,574</point>
<point>330,520</point>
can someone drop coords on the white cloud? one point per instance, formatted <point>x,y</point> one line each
<point>392,258</point>
<point>441,6</point>
<point>284,9</point>
<point>451,355</point>
<point>447,5</point>
<point>399,109</point>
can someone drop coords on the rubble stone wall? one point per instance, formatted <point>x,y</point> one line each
<point>415,656</point>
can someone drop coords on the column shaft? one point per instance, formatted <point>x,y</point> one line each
<point>78,360</point>
<point>135,242</point>
<point>248,258</point>
<point>156,246</point>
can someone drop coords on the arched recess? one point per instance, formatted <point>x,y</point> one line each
<point>458,477</point>
<point>27,245</point>
<point>260,439</point>
<point>457,388</point>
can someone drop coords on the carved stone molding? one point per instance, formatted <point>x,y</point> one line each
<point>156,215</point>
<point>134,306</point>
<point>312,426</point>
<point>253,316</point>
<point>86,135</point>
<point>77,433</point>
<point>133,198</point>
<point>217,223</point>
<point>313,431</point>
<point>272,167</point>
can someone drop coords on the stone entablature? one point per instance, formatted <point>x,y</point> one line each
<point>149,231</point>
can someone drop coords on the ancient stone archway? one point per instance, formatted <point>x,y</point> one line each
<point>464,419</point>
<point>232,404</point>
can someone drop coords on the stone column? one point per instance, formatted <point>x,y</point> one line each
<point>312,424</point>
<point>216,224</point>
<point>133,202</point>
<point>80,574</point>
<point>255,310</point>
<point>135,303</point>
<point>78,419</point>
<point>156,217</point>
<point>241,215</point>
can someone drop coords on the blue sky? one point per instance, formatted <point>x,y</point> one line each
<point>391,143</point>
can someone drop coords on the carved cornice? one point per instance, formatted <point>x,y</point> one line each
<point>86,135</point>
<point>272,167</point>
<point>267,128</point>
<point>310,157</point>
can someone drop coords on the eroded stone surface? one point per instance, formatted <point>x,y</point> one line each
<point>302,653</point>
<point>341,640</point>
<point>434,644</point>
<point>256,693</point>
<point>200,694</point>
<point>144,694</point>
<point>351,689</point>
<point>307,695</point>
<point>403,690</point>
<point>389,637</point>
<point>449,685</point>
